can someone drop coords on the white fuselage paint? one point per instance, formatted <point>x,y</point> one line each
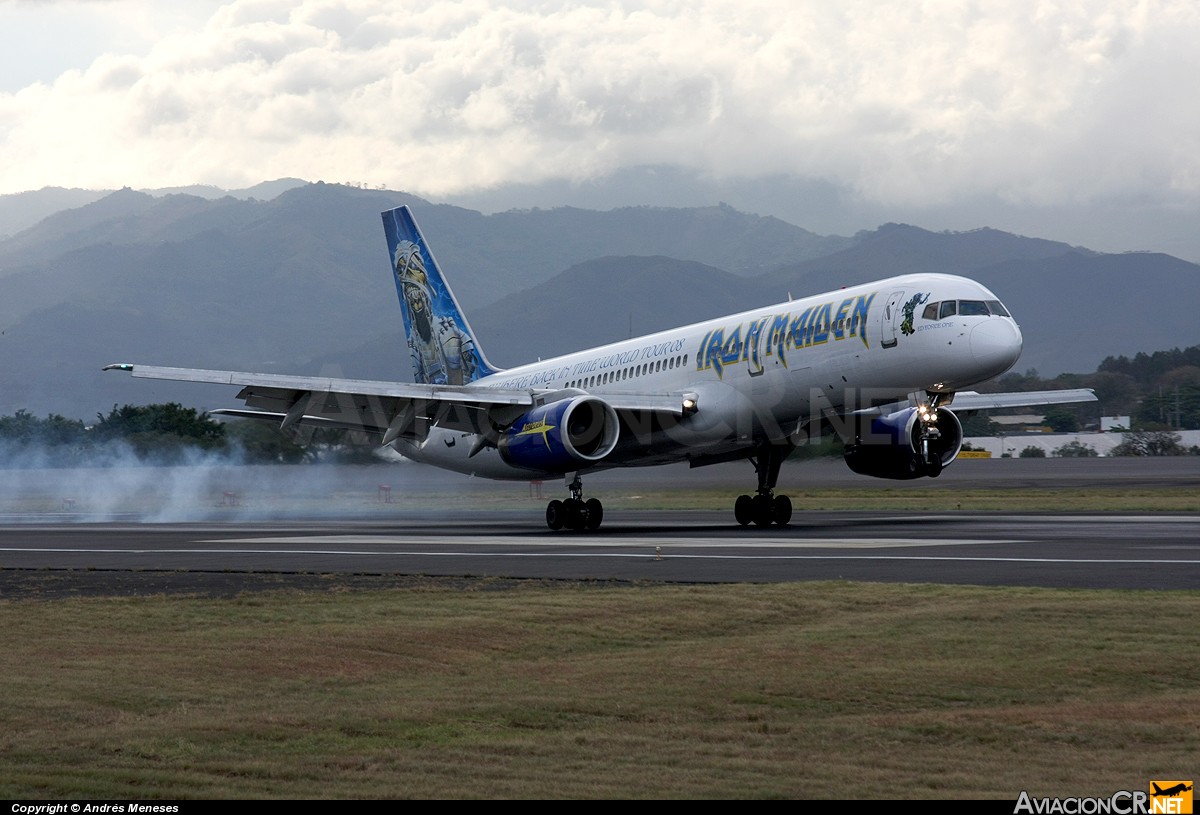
<point>775,384</point>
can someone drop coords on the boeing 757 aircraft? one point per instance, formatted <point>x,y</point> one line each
<point>881,363</point>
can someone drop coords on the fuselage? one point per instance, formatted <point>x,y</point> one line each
<point>768,374</point>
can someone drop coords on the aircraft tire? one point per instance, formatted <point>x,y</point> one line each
<point>934,466</point>
<point>743,509</point>
<point>575,518</point>
<point>593,513</point>
<point>556,515</point>
<point>762,510</point>
<point>781,508</point>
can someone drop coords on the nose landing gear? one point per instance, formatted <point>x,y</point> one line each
<point>927,416</point>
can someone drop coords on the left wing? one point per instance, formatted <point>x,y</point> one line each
<point>391,409</point>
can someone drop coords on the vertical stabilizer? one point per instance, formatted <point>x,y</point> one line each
<point>443,347</point>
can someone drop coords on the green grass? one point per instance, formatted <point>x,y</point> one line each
<point>793,690</point>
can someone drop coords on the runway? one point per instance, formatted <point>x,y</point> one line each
<point>1150,551</point>
<point>175,529</point>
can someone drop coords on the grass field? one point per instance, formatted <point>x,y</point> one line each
<point>814,690</point>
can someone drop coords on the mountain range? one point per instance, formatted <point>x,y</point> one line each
<point>293,277</point>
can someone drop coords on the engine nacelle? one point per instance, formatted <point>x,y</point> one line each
<point>561,436</point>
<point>890,446</point>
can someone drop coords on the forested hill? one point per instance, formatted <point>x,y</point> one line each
<point>299,283</point>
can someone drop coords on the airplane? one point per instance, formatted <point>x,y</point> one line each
<point>1170,792</point>
<point>880,363</point>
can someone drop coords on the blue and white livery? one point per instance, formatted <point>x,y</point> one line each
<point>885,364</point>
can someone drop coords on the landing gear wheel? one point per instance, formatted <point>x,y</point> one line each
<point>575,513</point>
<point>593,512</point>
<point>743,509</point>
<point>556,515</point>
<point>761,510</point>
<point>781,508</point>
<point>934,465</point>
<point>765,507</point>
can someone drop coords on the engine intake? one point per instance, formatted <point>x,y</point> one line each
<point>891,446</point>
<point>561,436</point>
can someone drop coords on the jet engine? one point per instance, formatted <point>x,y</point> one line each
<point>562,436</point>
<point>910,443</point>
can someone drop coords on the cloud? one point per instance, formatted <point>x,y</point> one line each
<point>906,104</point>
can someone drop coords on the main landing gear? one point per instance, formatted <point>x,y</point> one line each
<point>765,507</point>
<point>575,513</point>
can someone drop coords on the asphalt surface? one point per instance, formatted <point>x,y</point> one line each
<point>347,531</point>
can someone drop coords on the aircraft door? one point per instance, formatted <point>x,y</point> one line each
<point>890,321</point>
<point>753,353</point>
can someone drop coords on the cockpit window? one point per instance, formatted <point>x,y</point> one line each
<point>967,308</point>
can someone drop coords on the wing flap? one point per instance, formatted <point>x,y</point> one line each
<point>305,421</point>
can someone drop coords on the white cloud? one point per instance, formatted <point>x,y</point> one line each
<point>908,104</point>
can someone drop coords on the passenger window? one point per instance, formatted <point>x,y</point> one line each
<point>972,308</point>
<point>949,309</point>
<point>930,312</point>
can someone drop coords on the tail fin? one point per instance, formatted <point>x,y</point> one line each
<point>444,349</point>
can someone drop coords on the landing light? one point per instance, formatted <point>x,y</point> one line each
<point>689,405</point>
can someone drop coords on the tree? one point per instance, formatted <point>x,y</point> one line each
<point>53,441</point>
<point>164,431</point>
<point>1174,402</point>
<point>1075,449</point>
<point>1150,443</point>
<point>1033,451</point>
<point>263,443</point>
<point>26,429</point>
<point>1060,419</point>
<point>980,425</point>
<point>1118,392</point>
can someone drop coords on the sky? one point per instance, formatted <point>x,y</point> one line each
<point>1077,121</point>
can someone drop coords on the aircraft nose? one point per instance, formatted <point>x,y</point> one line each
<point>996,343</point>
